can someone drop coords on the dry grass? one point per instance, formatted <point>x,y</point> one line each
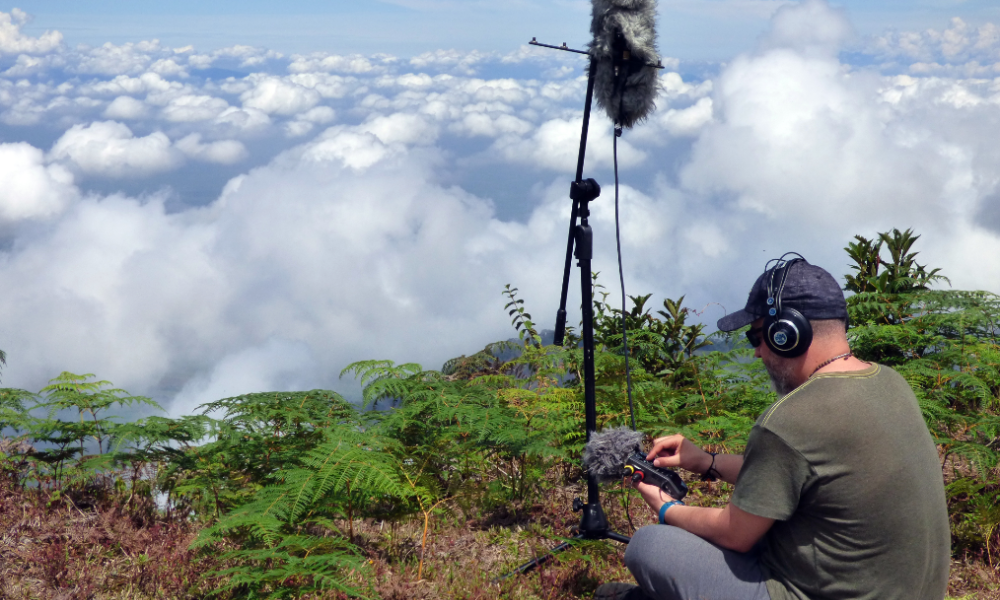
<point>973,578</point>
<point>84,545</point>
<point>90,546</point>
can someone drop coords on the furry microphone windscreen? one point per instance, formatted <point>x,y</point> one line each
<point>630,99</point>
<point>606,452</point>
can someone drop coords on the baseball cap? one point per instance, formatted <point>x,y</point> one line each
<point>808,289</point>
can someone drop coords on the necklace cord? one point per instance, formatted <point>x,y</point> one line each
<point>844,356</point>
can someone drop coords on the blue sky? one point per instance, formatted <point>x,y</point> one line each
<point>204,199</point>
<point>689,29</point>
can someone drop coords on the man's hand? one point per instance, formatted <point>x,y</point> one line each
<point>677,451</point>
<point>729,527</point>
<point>654,496</point>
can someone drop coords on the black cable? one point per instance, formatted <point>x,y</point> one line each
<point>621,279</point>
<point>625,501</point>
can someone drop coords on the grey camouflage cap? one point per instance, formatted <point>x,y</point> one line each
<point>808,289</point>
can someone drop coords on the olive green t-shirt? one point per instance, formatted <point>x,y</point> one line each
<point>847,468</point>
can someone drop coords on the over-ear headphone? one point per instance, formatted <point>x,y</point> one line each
<point>786,331</point>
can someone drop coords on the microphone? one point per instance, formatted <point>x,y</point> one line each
<point>624,49</point>
<point>616,453</point>
<point>606,452</point>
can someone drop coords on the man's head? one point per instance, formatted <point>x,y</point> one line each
<point>801,300</point>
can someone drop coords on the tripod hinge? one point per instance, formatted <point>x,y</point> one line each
<point>584,191</point>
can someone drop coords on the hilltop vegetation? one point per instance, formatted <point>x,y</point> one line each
<point>471,470</point>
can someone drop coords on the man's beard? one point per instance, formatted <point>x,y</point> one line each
<point>782,374</point>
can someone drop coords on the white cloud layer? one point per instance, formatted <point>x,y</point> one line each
<point>30,189</point>
<point>108,148</point>
<point>224,152</point>
<point>375,207</point>
<point>960,49</point>
<point>276,95</point>
<point>125,107</point>
<point>12,41</point>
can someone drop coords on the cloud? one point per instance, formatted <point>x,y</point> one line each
<point>802,151</point>
<point>243,120</point>
<point>328,86</point>
<point>483,123</point>
<point>27,65</point>
<point>728,9</point>
<point>189,295</point>
<point>795,133</point>
<point>275,365</point>
<point>305,122</point>
<point>320,114</point>
<point>275,95</point>
<point>106,288</point>
<point>687,122</point>
<point>147,83</point>
<point>109,149</point>
<point>401,129</point>
<point>30,189</point>
<point>555,145</point>
<point>194,108</point>
<point>12,41</point>
<point>354,149</point>
<point>111,59</point>
<point>974,50</point>
<point>354,63</point>
<point>168,67</point>
<point>224,152</point>
<point>244,56</point>
<point>810,27</point>
<point>458,61</point>
<point>125,107</point>
<point>322,209</point>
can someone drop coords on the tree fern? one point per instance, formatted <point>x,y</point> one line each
<point>13,409</point>
<point>349,465</point>
<point>382,380</point>
<point>295,565</point>
<point>254,437</point>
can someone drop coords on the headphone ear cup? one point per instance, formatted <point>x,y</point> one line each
<point>788,334</point>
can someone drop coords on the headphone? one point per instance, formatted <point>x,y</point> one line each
<point>786,331</point>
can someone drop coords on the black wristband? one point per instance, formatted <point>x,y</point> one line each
<point>712,473</point>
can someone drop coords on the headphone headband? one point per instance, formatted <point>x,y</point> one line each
<point>787,332</point>
<point>782,264</point>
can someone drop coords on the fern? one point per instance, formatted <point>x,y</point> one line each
<point>276,557</point>
<point>382,380</point>
<point>69,391</point>
<point>320,563</point>
<point>521,319</point>
<point>13,411</point>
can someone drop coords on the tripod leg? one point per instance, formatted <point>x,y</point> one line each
<point>561,313</point>
<point>531,564</point>
<point>618,537</point>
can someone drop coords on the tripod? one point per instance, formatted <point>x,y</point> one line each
<point>593,521</point>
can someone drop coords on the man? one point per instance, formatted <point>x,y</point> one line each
<point>839,493</point>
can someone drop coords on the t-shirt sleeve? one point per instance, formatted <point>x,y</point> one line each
<point>772,478</point>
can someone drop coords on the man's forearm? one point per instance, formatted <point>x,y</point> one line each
<point>728,527</point>
<point>712,524</point>
<point>728,467</point>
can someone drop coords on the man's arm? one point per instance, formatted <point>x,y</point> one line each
<point>678,451</point>
<point>727,466</point>
<point>729,527</point>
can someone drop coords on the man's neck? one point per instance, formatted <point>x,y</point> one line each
<point>831,358</point>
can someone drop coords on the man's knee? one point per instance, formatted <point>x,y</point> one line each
<point>669,563</point>
<point>649,545</point>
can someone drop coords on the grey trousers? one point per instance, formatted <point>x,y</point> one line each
<point>669,563</point>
